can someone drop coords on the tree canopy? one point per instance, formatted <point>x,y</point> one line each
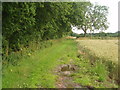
<point>91,17</point>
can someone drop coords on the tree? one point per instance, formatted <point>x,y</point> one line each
<point>91,17</point>
<point>98,17</point>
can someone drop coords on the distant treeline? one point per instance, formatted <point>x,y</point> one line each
<point>117,34</point>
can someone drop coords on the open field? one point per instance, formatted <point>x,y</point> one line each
<point>107,49</point>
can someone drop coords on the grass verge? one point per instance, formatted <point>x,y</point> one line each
<point>35,70</point>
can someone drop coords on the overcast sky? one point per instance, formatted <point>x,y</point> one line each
<point>112,15</point>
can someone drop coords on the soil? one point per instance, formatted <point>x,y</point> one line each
<point>64,79</point>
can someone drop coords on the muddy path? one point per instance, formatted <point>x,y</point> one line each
<point>64,76</point>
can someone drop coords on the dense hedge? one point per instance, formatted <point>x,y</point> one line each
<point>24,22</point>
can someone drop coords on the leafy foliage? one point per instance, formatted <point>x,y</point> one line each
<point>90,17</point>
<point>25,22</point>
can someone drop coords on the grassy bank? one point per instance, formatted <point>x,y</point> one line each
<point>95,70</point>
<point>36,69</point>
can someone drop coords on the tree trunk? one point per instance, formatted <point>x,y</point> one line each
<point>85,33</point>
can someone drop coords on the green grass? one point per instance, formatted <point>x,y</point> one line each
<point>36,67</point>
<point>95,75</point>
<point>36,70</point>
<point>101,71</point>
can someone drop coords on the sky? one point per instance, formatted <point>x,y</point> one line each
<point>112,15</point>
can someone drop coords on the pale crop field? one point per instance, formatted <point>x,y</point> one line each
<point>107,49</point>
